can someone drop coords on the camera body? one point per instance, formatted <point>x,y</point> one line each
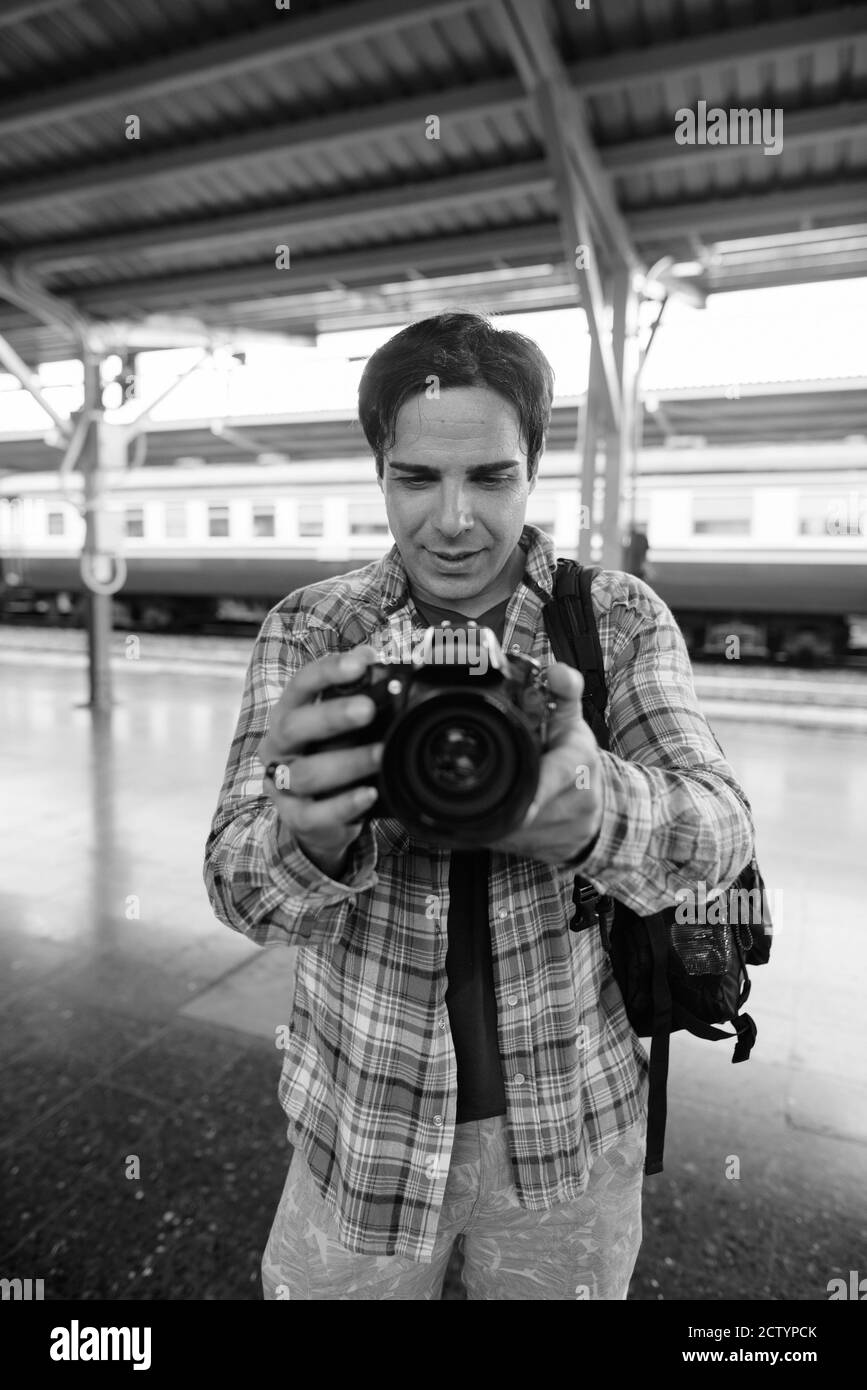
<point>463,727</point>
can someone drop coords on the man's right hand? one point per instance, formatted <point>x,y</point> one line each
<point>323,828</point>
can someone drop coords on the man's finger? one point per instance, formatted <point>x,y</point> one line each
<point>335,669</point>
<point>321,772</point>
<point>306,817</point>
<point>293,729</point>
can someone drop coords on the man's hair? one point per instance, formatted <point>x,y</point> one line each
<point>458,349</point>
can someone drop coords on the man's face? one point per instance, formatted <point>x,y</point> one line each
<point>456,488</point>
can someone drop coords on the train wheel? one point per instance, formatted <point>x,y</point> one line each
<point>155,617</point>
<point>806,646</point>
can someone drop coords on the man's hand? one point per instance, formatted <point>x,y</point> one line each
<point>324,826</point>
<point>567,811</point>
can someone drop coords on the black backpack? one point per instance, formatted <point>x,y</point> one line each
<point>672,975</point>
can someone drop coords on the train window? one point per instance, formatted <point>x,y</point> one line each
<point>263,521</point>
<point>218,521</point>
<point>310,519</point>
<point>56,524</point>
<point>176,520</point>
<point>833,514</point>
<point>134,521</point>
<point>368,519</point>
<point>722,514</point>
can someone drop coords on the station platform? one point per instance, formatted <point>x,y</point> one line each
<point>144,1149</point>
<point>823,698</point>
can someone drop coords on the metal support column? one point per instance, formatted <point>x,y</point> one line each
<point>620,437</point>
<point>588,441</point>
<point>98,604</point>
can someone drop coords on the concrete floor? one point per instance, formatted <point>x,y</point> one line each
<point>143,1147</point>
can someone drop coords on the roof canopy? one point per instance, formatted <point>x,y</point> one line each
<point>154,158</point>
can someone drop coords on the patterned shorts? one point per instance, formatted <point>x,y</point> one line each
<point>584,1249</point>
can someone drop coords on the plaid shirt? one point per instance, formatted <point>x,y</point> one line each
<point>369,1079</point>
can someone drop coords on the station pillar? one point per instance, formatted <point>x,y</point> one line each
<point>98,603</point>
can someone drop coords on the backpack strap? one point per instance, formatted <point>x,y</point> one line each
<point>574,637</point>
<point>657,1103</point>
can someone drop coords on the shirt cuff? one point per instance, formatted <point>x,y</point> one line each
<point>301,881</point>
<point>595,858</point>
<point>580,859</point>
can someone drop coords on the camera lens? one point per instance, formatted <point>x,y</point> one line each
<point>459,757</point>
<point>460,768</point>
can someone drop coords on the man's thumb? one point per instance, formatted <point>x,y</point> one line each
<point>564,682</point>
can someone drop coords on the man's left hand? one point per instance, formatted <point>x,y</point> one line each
<point>567,810</point>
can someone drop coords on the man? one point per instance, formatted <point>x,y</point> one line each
<point>461,1063</point>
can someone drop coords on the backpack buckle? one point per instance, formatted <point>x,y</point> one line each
<point>586,900</point>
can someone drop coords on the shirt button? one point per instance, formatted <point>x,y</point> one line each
<point>581,1037</point>
<point>518,1078</point>
<point>512,999</point>
<point>503,912</point>
<point>438,1120</point>
<point>515,647</point>
<point>443,1024</point>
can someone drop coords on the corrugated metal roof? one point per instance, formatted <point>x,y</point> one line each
<point>310,126</point>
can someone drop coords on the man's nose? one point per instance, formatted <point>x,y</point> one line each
<point>455,512</point>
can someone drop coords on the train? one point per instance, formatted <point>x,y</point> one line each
<point>765,544</point>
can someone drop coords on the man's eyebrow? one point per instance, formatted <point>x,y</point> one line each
<point>499,466</point>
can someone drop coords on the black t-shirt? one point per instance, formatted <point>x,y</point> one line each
<point>470,997</point>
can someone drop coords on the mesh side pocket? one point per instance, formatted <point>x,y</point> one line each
<point>704,949</point>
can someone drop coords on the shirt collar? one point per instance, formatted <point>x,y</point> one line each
<point>538,570</point>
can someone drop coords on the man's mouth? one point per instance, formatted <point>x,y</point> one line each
<point>454,557</point>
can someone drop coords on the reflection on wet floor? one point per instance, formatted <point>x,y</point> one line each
<point>135,1025</point>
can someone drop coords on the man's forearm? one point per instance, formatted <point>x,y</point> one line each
<point>664,830</point>
<point>261,882</point>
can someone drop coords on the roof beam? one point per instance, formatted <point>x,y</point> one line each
<point>538,242</point>
<point>300,219</point>
<point>19,11</point>
<point>584,193</point>
<point>343,129</point>
<point>817,126</point>
<point>565,125</point>
<point>12,363</point>
<point>775,38</point>
<point>288,38</point>
<point>745,278</point>
<point>742,213</point>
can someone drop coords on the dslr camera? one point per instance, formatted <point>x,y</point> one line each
<point>462,739</point>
